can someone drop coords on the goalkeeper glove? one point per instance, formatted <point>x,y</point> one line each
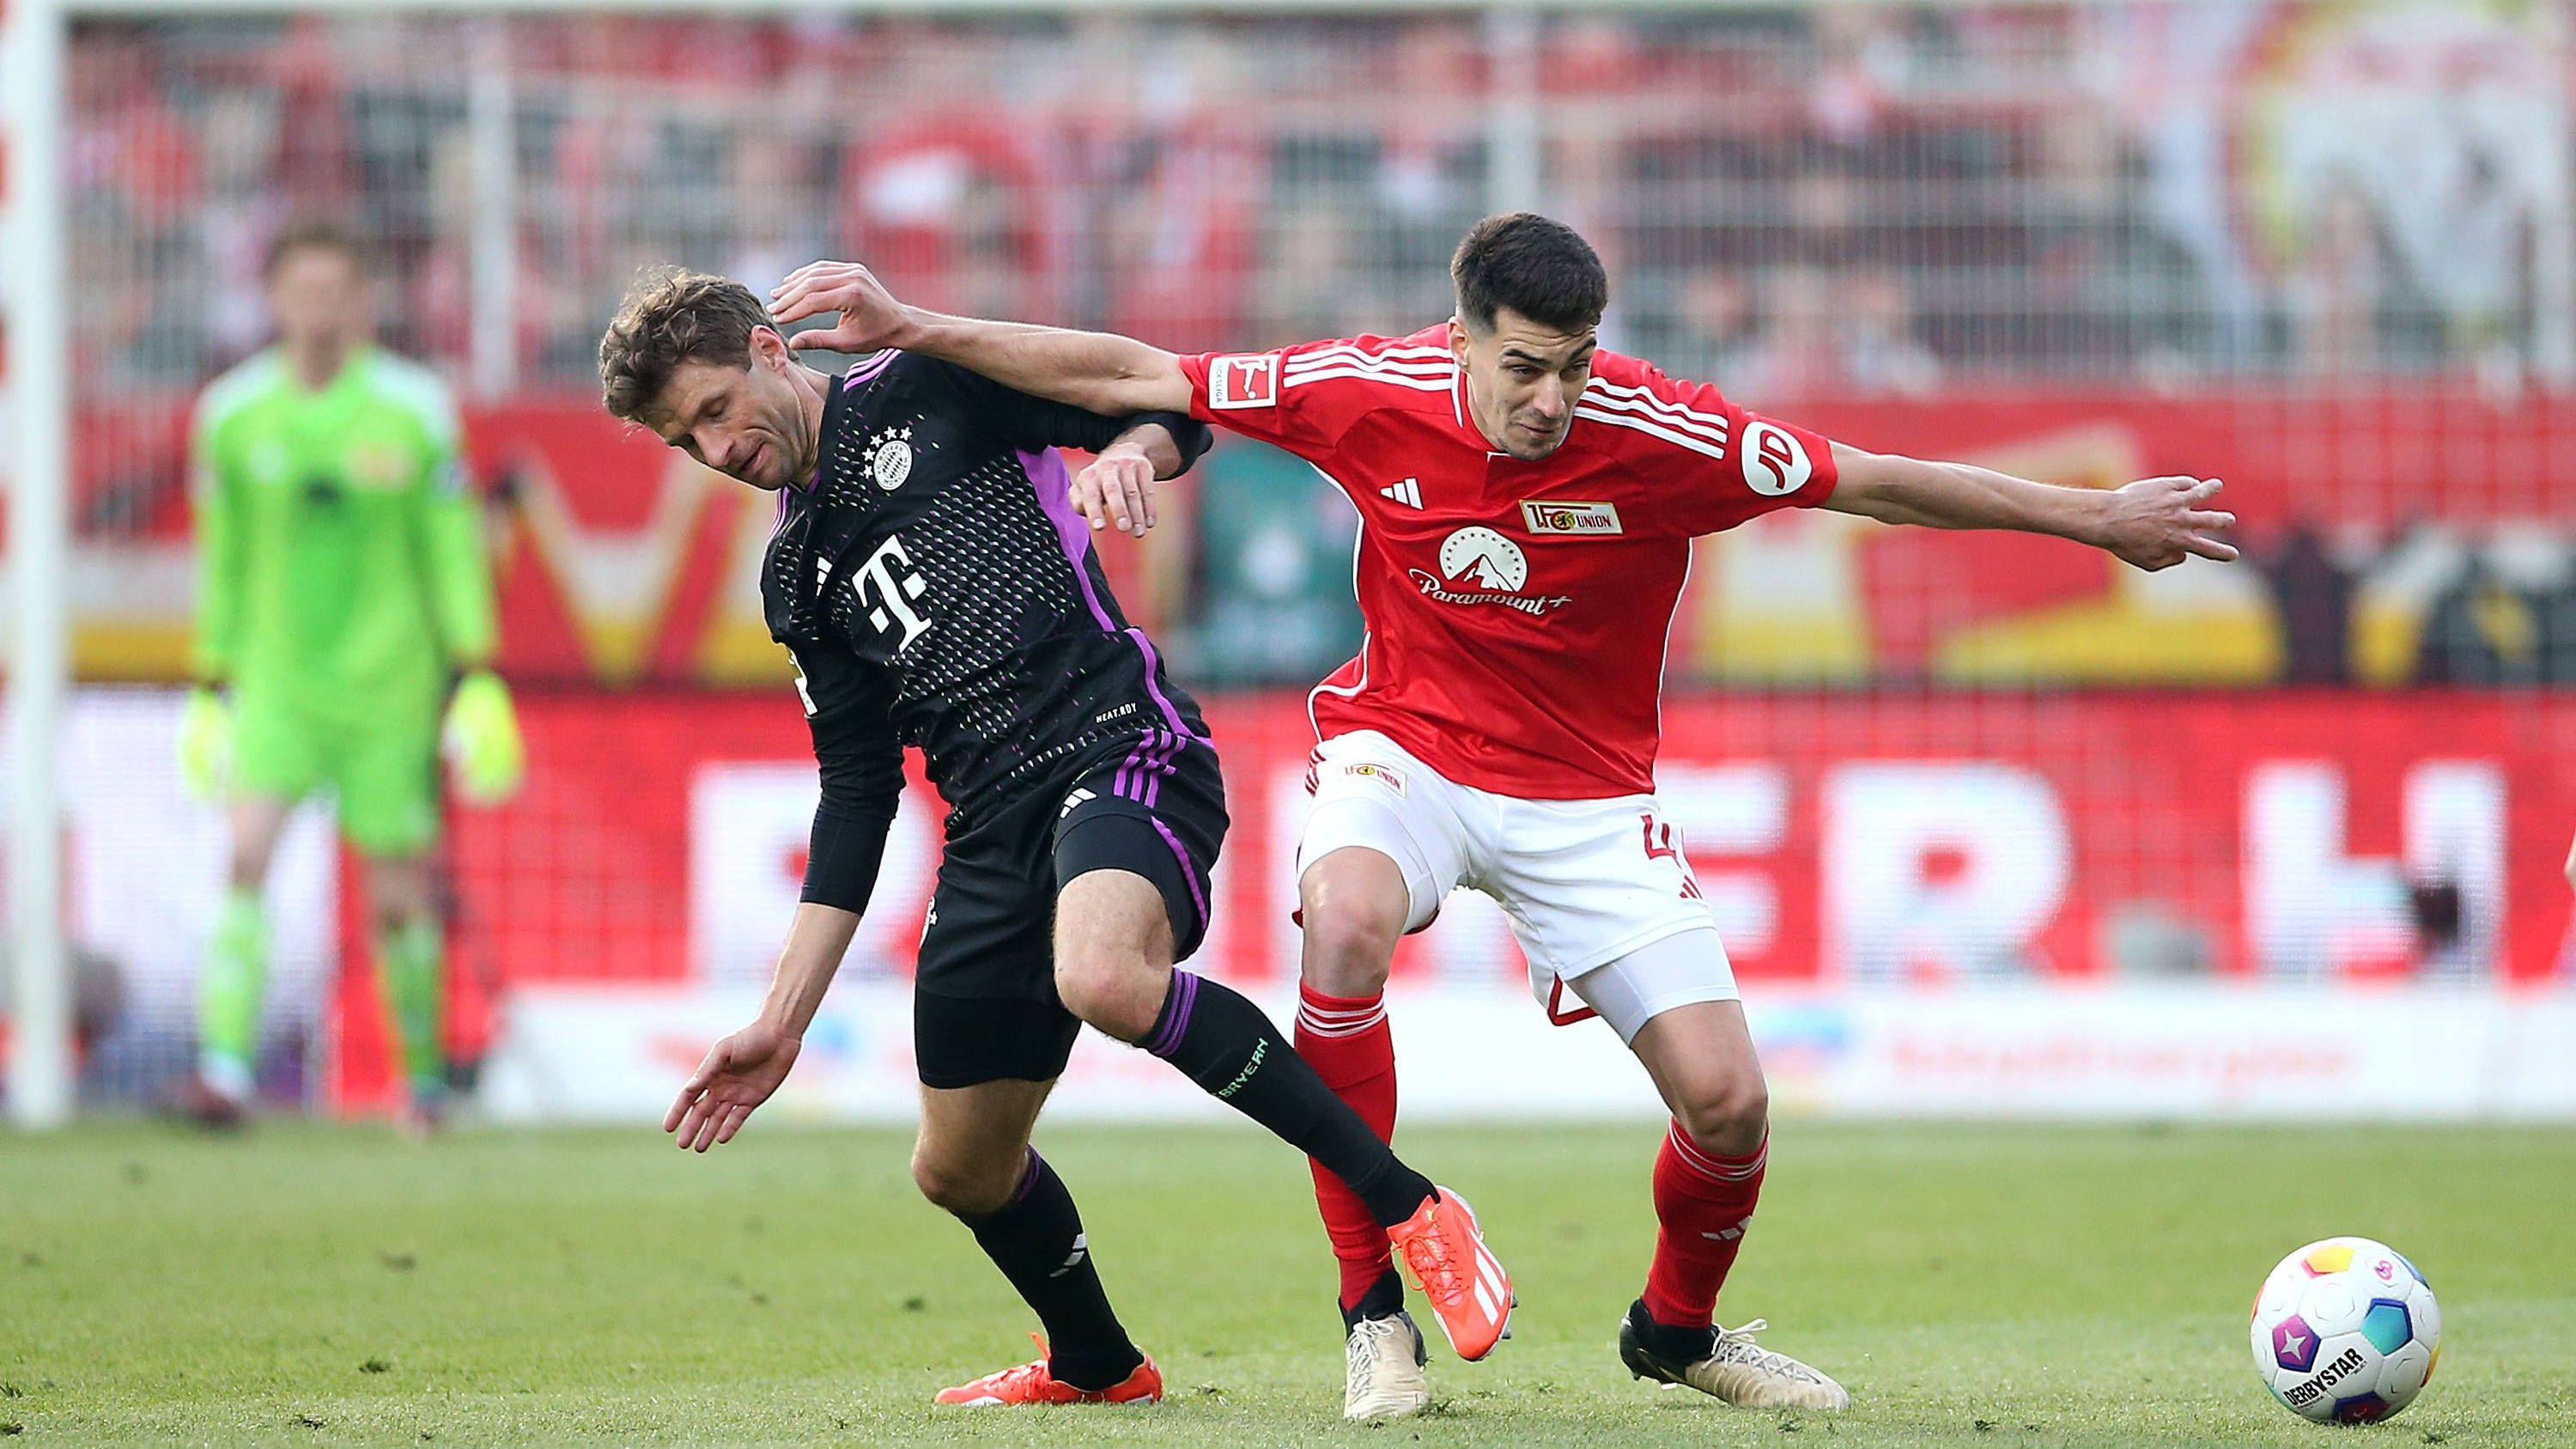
<point>205,742</point>
<point>482,732</point>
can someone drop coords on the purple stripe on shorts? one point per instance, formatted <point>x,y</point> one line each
<point>1045,472</point>
<point>1163,757</point>
<point>1131,775</point>
<point>1189,872</point>
<point>1176,1015</point>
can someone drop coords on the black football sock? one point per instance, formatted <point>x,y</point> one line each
<point>1384,1299</point>
<point>1226,1045</point>
<point>1036,1240</point>
<point>1671,1344</point>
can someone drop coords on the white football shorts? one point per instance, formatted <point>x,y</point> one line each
<point>1586,884</point>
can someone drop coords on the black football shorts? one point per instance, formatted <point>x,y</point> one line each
<point>984,999</point>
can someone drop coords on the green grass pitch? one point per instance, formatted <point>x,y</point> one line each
<point>1991,1286</point>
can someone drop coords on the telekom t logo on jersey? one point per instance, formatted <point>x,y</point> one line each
<point>891,590</point>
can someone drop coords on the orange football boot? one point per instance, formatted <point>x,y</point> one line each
<point>1035,1383</point>
<point>1469,1291</point>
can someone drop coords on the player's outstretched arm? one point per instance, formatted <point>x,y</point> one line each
<point>1099,372</point>
<point>2153,523</point>
<point>742,1070</point>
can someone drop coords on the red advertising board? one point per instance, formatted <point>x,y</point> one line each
<point>1840,838</point>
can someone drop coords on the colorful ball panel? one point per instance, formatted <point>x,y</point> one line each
<point>2294,1347</point>
<point>2386,1325</point>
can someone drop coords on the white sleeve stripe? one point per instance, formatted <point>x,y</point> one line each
<point>1423,384</point>
<point>1421,367</point>
<point>1682,440</point>
<point>1636,399</point>
<point>1352,351</point>
<point>1715,438</point>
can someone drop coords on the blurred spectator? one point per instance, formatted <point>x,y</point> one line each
<point>1828,335</point>
<point>2341,283</point>
<point>1716,335</point>
<point>2482,630</point>
<point>2312,594</point>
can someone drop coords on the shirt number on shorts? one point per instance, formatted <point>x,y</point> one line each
<point>1659,846</point>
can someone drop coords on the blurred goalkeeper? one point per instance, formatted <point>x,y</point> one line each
<point>344,623</point>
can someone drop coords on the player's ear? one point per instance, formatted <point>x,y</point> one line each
<point>1458,340</point>
<point>768,348</point>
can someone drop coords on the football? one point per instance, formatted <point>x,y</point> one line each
<point>2346,1331</point>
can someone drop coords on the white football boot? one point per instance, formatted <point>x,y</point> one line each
<point>1737,1370</point>
<point>1384,1378</point>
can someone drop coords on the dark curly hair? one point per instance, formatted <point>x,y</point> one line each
<point>673,315</point>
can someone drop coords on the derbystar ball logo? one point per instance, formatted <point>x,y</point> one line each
<point>1493,569</point>
<point>2345,1365</point>
<point>1553,515</point>
<point>1249,381</point>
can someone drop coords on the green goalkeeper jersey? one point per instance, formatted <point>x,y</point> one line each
<point>340,559</point>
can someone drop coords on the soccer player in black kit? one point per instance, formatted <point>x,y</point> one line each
<point>936,587</point>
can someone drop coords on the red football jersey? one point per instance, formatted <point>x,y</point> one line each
<point>1516,611</point>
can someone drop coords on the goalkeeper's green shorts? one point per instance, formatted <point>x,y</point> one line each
<point>386,774</point>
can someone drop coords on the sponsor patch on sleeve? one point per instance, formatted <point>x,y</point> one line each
<point>1370,770</point>
<point>1243,380</point>
<point>1557,515</point>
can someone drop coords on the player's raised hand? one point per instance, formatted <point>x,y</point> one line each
<point>1117,489</point>
<point>866,317</point>
<point>739,1074</point>
<point>2155,523</point>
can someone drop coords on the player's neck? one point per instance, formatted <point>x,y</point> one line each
<point>811,398</point>
<point>1476,415</point>
<point>317,364</point>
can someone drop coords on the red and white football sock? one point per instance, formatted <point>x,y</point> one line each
<point>1346,1040</point>
<point>1703,1204</point>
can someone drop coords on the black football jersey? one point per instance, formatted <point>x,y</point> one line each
<point>937,589</point>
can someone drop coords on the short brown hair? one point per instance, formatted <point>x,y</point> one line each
<point>673,315</point>
<point>1542,269</point>
<point>319,234</point>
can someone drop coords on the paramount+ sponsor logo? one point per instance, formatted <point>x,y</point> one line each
<point>2345,1365</point>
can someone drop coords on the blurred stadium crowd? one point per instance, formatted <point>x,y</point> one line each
<point>1812,207</point>
<point>1817,200</point>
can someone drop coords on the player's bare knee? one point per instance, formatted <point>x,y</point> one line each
<point>1118,991</point>
<point>1350,933</point>
<point>967,1190</point>
<point>1725,1113</point>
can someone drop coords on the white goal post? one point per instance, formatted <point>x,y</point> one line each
<point>35,421</point>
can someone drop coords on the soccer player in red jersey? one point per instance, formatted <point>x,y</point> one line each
<point>1528,501</point>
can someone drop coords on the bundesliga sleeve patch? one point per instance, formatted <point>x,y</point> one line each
<point>1243,381</point>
